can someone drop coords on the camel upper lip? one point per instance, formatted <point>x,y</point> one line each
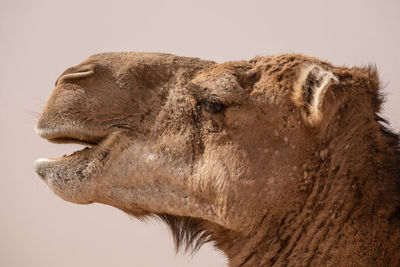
<point>62,136</point>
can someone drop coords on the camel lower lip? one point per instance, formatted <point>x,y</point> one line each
<point>41,165</point>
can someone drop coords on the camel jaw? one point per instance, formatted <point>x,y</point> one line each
<point>63,135</point>
<point>71,176</point>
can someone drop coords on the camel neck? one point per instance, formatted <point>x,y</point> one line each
<point>350,217</point>
<point>336,235</point>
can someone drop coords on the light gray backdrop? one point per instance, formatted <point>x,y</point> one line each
<point>39,39</point>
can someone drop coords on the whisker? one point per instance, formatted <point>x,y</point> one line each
<point>32,113</point>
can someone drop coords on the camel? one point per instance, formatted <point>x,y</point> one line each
<point>280,161</point>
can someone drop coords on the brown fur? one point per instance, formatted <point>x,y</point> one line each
<point>281,160</point>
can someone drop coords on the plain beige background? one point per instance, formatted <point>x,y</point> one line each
<point>39,39</point>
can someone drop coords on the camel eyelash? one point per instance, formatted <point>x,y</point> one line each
<point>213,106</point>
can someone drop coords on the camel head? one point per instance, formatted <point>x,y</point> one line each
<point>218,151</point>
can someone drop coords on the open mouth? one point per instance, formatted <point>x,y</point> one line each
<point>72,166</point>
<point>90,141</point>
<point>69,175</point>
<point>69,140</point>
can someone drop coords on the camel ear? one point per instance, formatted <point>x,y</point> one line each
<point>309,89</point>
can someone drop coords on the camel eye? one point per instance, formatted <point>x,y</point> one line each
<point>212,105</point>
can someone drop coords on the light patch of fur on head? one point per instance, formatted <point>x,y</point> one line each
<point>309,90</point>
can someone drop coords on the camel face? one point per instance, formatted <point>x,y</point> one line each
<point>180,136</point>
<point>242,151</point>
<point>106,104</point>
